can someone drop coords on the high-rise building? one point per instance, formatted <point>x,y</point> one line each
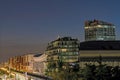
<point>99,30</point>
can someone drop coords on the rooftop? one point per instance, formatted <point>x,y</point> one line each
<point>97,22</point>
<point>100,45</point>
<point>64,39</point>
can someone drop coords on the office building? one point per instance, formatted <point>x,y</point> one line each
<point>64,49</point>
<point>99,30</point>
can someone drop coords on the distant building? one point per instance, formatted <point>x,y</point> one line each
<point>99,30</point>
<point>22,63</point>
<point>108,52</point>
<point>33,63</point>
<point>63,49</point>
<point>3,64</point>
<point>39,65</point>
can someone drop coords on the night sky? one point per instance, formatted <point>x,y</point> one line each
<point>28,25</point>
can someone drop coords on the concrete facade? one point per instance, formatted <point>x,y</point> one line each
<point>109,57</point>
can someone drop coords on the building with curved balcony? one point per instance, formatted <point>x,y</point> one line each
<point>65,49</point>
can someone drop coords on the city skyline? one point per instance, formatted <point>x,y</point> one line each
<point>27,26</point>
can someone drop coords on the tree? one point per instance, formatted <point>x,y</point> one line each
<point>101,72</point>
<point>116,73</point>
<point>60,64</point>
<point>89,72</point>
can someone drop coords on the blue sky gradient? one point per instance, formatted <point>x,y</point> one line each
<point>28,25</point>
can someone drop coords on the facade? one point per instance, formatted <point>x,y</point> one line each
<point>108,52</point>
<point>3,64</point>
<point>33,63</point>
<point>64,49</point>
<point>99,30</point>
<point>39,65</point>
<point>22,63</point>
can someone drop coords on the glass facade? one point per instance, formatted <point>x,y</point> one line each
<point>99,30</point>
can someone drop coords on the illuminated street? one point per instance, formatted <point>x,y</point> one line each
<point>17,76</point>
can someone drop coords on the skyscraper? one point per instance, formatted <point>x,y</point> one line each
<point>99,30</point>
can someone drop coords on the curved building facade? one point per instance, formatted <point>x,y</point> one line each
<point>64,49</point>
<point>94,51</point>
